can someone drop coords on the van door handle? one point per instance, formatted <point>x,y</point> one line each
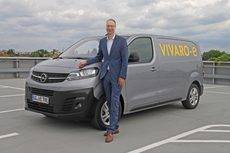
<point>153,69</point>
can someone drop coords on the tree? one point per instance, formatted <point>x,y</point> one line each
<point>223,57</point>
<point>40,53</point>
<point>37,53</point>
<point>211,54</point>
<point>216,55</point>
<point>11,52</point>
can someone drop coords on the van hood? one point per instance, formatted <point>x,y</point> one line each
<point>65,63</point>
<point>60,65</point>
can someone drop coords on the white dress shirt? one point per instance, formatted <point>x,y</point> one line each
<point>109,45</point>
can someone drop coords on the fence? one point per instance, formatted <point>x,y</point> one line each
<point>216,72</point>
<point>18,67</point>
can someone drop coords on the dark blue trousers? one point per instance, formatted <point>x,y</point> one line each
<point>112,92</point>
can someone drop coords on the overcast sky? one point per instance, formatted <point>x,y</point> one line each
<point>35,24</point>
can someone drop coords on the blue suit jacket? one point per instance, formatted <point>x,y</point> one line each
<point>117,59</point>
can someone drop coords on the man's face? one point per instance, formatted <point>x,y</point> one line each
<point>110,27</point>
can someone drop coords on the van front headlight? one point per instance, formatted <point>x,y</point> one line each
<point>82,74</point>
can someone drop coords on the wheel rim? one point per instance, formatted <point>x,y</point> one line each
<point>105,113</point>
<point>193,96</point>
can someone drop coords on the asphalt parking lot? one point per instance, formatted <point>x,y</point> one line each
<point>167,129</point>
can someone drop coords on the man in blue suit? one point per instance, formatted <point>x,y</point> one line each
<point>114,52</point>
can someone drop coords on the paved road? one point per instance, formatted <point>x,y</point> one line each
<point>167,129</point>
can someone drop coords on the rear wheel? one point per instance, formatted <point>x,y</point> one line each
<point>193,97</point>
<point>101,115</point>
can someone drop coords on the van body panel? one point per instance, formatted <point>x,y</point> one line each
<point>178,64</point>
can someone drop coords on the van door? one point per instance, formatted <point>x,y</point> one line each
<point>141,84</point>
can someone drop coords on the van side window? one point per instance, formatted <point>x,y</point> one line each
<point>140,50</point>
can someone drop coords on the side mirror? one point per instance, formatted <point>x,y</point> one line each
<point>134,57</point>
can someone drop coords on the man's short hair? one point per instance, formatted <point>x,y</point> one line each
<point>111,20</point>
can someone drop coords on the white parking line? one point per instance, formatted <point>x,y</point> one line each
<point>3,86</point>
<point>201,141</point>
<point>214,87</point>
<point>224,131</point>
<point>12,110</point>
<point>226,93</point>
<point>175,139</point>
<point>154,145</point>
<point>15,95</point>
<point>8,135</point>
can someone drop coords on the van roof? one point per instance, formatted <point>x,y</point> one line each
<point>157,36</point>
<point>152,35</point>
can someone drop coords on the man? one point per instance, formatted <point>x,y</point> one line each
<point>113,49</point>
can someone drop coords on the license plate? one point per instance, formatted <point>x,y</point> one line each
<point>40,99</point>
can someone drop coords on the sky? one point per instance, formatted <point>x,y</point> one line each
<point>29,25</point>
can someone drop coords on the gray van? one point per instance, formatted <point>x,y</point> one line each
<point>161,70</point>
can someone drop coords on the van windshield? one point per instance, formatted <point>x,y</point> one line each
<point>83,49</point>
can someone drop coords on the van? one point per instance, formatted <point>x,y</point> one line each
<point>161,70</point>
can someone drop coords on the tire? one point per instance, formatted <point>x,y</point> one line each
<point>98,111</point>
<point>193,97</point>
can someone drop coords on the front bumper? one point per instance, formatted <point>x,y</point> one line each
<point>74,104</point>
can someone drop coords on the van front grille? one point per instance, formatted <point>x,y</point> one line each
<point>44,77</point>
<point>42,91</point>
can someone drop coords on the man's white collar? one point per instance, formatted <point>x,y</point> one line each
<point>112,37</point>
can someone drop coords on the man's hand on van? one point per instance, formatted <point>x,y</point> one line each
<point>82,64</point>
<point>121,82</point>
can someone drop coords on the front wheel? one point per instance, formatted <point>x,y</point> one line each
<point>193,97</point>
<point>101,115</point>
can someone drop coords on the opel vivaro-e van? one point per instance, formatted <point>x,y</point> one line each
<point>161,70</point>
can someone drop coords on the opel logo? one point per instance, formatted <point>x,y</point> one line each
<point>43,77</point>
